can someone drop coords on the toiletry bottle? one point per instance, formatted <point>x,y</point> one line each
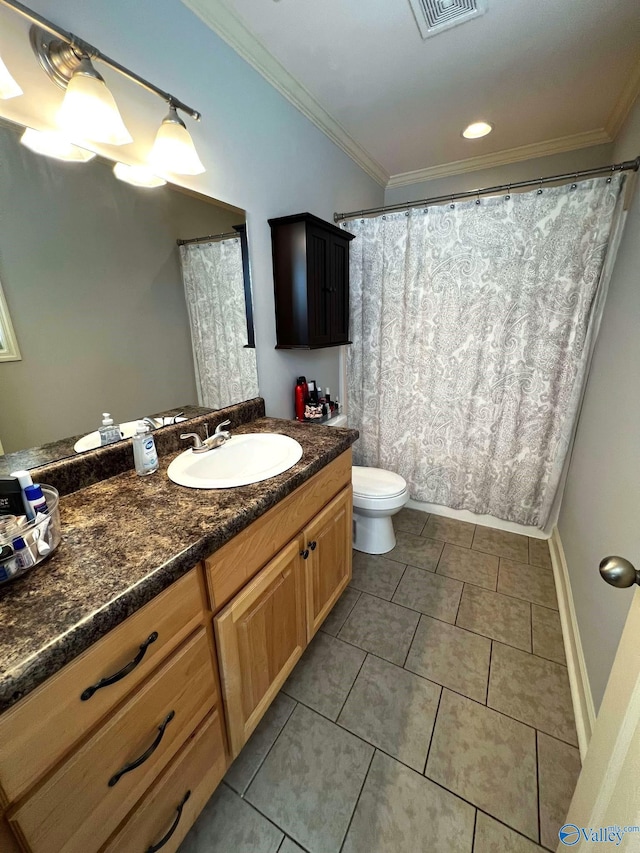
<point>305,388</point>
<point>299,400</point>
<point>37,500</point>
<point>144,450</point>
<point>24,479</point>
<point>22,556</point>
<point>313,394</point>
<point>327,396</point>
<point>109,432</point>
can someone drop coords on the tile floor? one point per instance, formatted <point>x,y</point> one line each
<point>430,713</point>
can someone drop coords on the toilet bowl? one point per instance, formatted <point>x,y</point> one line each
<point>377,496</point>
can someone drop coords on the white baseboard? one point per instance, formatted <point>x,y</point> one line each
<point>483,520</point>
<point>581,696</point>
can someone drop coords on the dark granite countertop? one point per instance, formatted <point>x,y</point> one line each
<point>125,539</point>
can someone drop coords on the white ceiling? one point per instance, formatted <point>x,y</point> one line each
<point>539,70</point>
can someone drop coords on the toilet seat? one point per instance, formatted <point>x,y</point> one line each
<point>376,483</point>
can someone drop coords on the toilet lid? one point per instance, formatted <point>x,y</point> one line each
<point>376,482</point>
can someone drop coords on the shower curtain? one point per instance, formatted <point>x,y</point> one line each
<point>473,326</point>
<point>214,290</point>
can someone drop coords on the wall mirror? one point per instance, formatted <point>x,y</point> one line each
<point>109,312</point>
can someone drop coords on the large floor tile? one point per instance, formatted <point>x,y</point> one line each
<point>289,846</point>
<point>393,710</point>
<point>452,657</point>
<point>341,609</point>
<point>494,837</point>
<point>309,783</point>
<point>500,617</point>
<point>375,574</point>
<point>488,759</point>
<point>539,553</point>
<point>501,543</point>
<point>533,690</point>
<point>416,551</point>
<point>410,520</point>
<point>547,634</point>
<point>429,593</point>
<point>469,566</point>
<point>449,530</point>
<point>323,676</point>
<point>229,823</point>
<point>380,627</point>
<point>530,583</point>
<point>400,810</point>
<point>558,771</point>
<point>253,753</point>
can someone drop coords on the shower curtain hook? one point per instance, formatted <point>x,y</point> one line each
<point>574,184</point>
<point>540,187</point>
<point>478,198</point>
<point>508,195</point>
<point>452,205</point>
<point>613,168</point>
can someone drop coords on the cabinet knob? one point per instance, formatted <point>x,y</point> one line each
<point>304,554</point>
<point>313,545</point>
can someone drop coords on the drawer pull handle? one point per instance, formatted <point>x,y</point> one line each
<point>145,755</point>
<point>304,554</point>
<point>313,545</point>
<point>155,847</point>
<point>111,679</point>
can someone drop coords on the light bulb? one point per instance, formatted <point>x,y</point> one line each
<point>173,149</point>
<point>477,130</point>
<point>8,86</point>
<point>139,176</point>
<point>89,110</point>
<point>54,144</point>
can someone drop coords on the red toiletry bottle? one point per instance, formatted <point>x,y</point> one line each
<point>299,399</point>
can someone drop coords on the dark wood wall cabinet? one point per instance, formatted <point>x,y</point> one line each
<point>311,281</point>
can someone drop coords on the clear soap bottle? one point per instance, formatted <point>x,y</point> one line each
<point>145,456</point>
<point>109,432</point>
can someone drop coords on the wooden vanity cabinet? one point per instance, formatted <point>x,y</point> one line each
<point>311,282</point>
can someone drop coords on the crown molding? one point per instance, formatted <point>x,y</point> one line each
<point>624,103</point>
<point>503,158</point>
<point>233,30</point>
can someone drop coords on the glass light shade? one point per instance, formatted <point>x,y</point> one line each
<point>89,110</point>
<point>54,144</point>
<point>173,149</point>
<point>8,86</point>
<point>139,176</point>
<point>477,130</point>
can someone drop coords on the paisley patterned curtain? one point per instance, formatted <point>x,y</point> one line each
<point>214,290</point>
<point>473,326</point>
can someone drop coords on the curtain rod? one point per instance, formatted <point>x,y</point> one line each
<point>626,166</point>
<point>211,238</point>
<point>93,53</point>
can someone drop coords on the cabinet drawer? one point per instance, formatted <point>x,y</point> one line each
<point>38,731</point>
<point>80,805</point>
<point>196,771</point>
<point>229,568</point>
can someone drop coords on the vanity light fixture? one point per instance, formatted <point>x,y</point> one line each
<point>477,130</point>
<point>8,86</point>
<point>89,111</point>
<point>51,143</point>
<point>139,176</point>
<point>173,149</point>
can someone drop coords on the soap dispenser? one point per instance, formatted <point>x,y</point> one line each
<point>109,432</point>
<point>144,450</point>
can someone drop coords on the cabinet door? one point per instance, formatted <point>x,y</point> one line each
<point>327,544</point>
<point>260,635</point>
<point>339,290</point>
<point>319,292</point>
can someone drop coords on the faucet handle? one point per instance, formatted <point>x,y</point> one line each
<point>197,441</point>
<point>219,428</point>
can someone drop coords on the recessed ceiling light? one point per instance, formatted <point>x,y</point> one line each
<point>477,129</point>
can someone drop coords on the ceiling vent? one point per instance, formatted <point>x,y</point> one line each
<point>434,16</point>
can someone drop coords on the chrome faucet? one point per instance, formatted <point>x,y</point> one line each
<point>211,442</point>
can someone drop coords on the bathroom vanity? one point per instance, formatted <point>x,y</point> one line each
<point>139,660</point>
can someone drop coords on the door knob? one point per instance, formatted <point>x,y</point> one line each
<point>619,572</point>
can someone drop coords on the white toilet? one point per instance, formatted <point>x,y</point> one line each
<point>377,496</point>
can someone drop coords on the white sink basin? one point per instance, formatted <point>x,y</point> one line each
<point>241,460</point>
<point>92,440</point>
